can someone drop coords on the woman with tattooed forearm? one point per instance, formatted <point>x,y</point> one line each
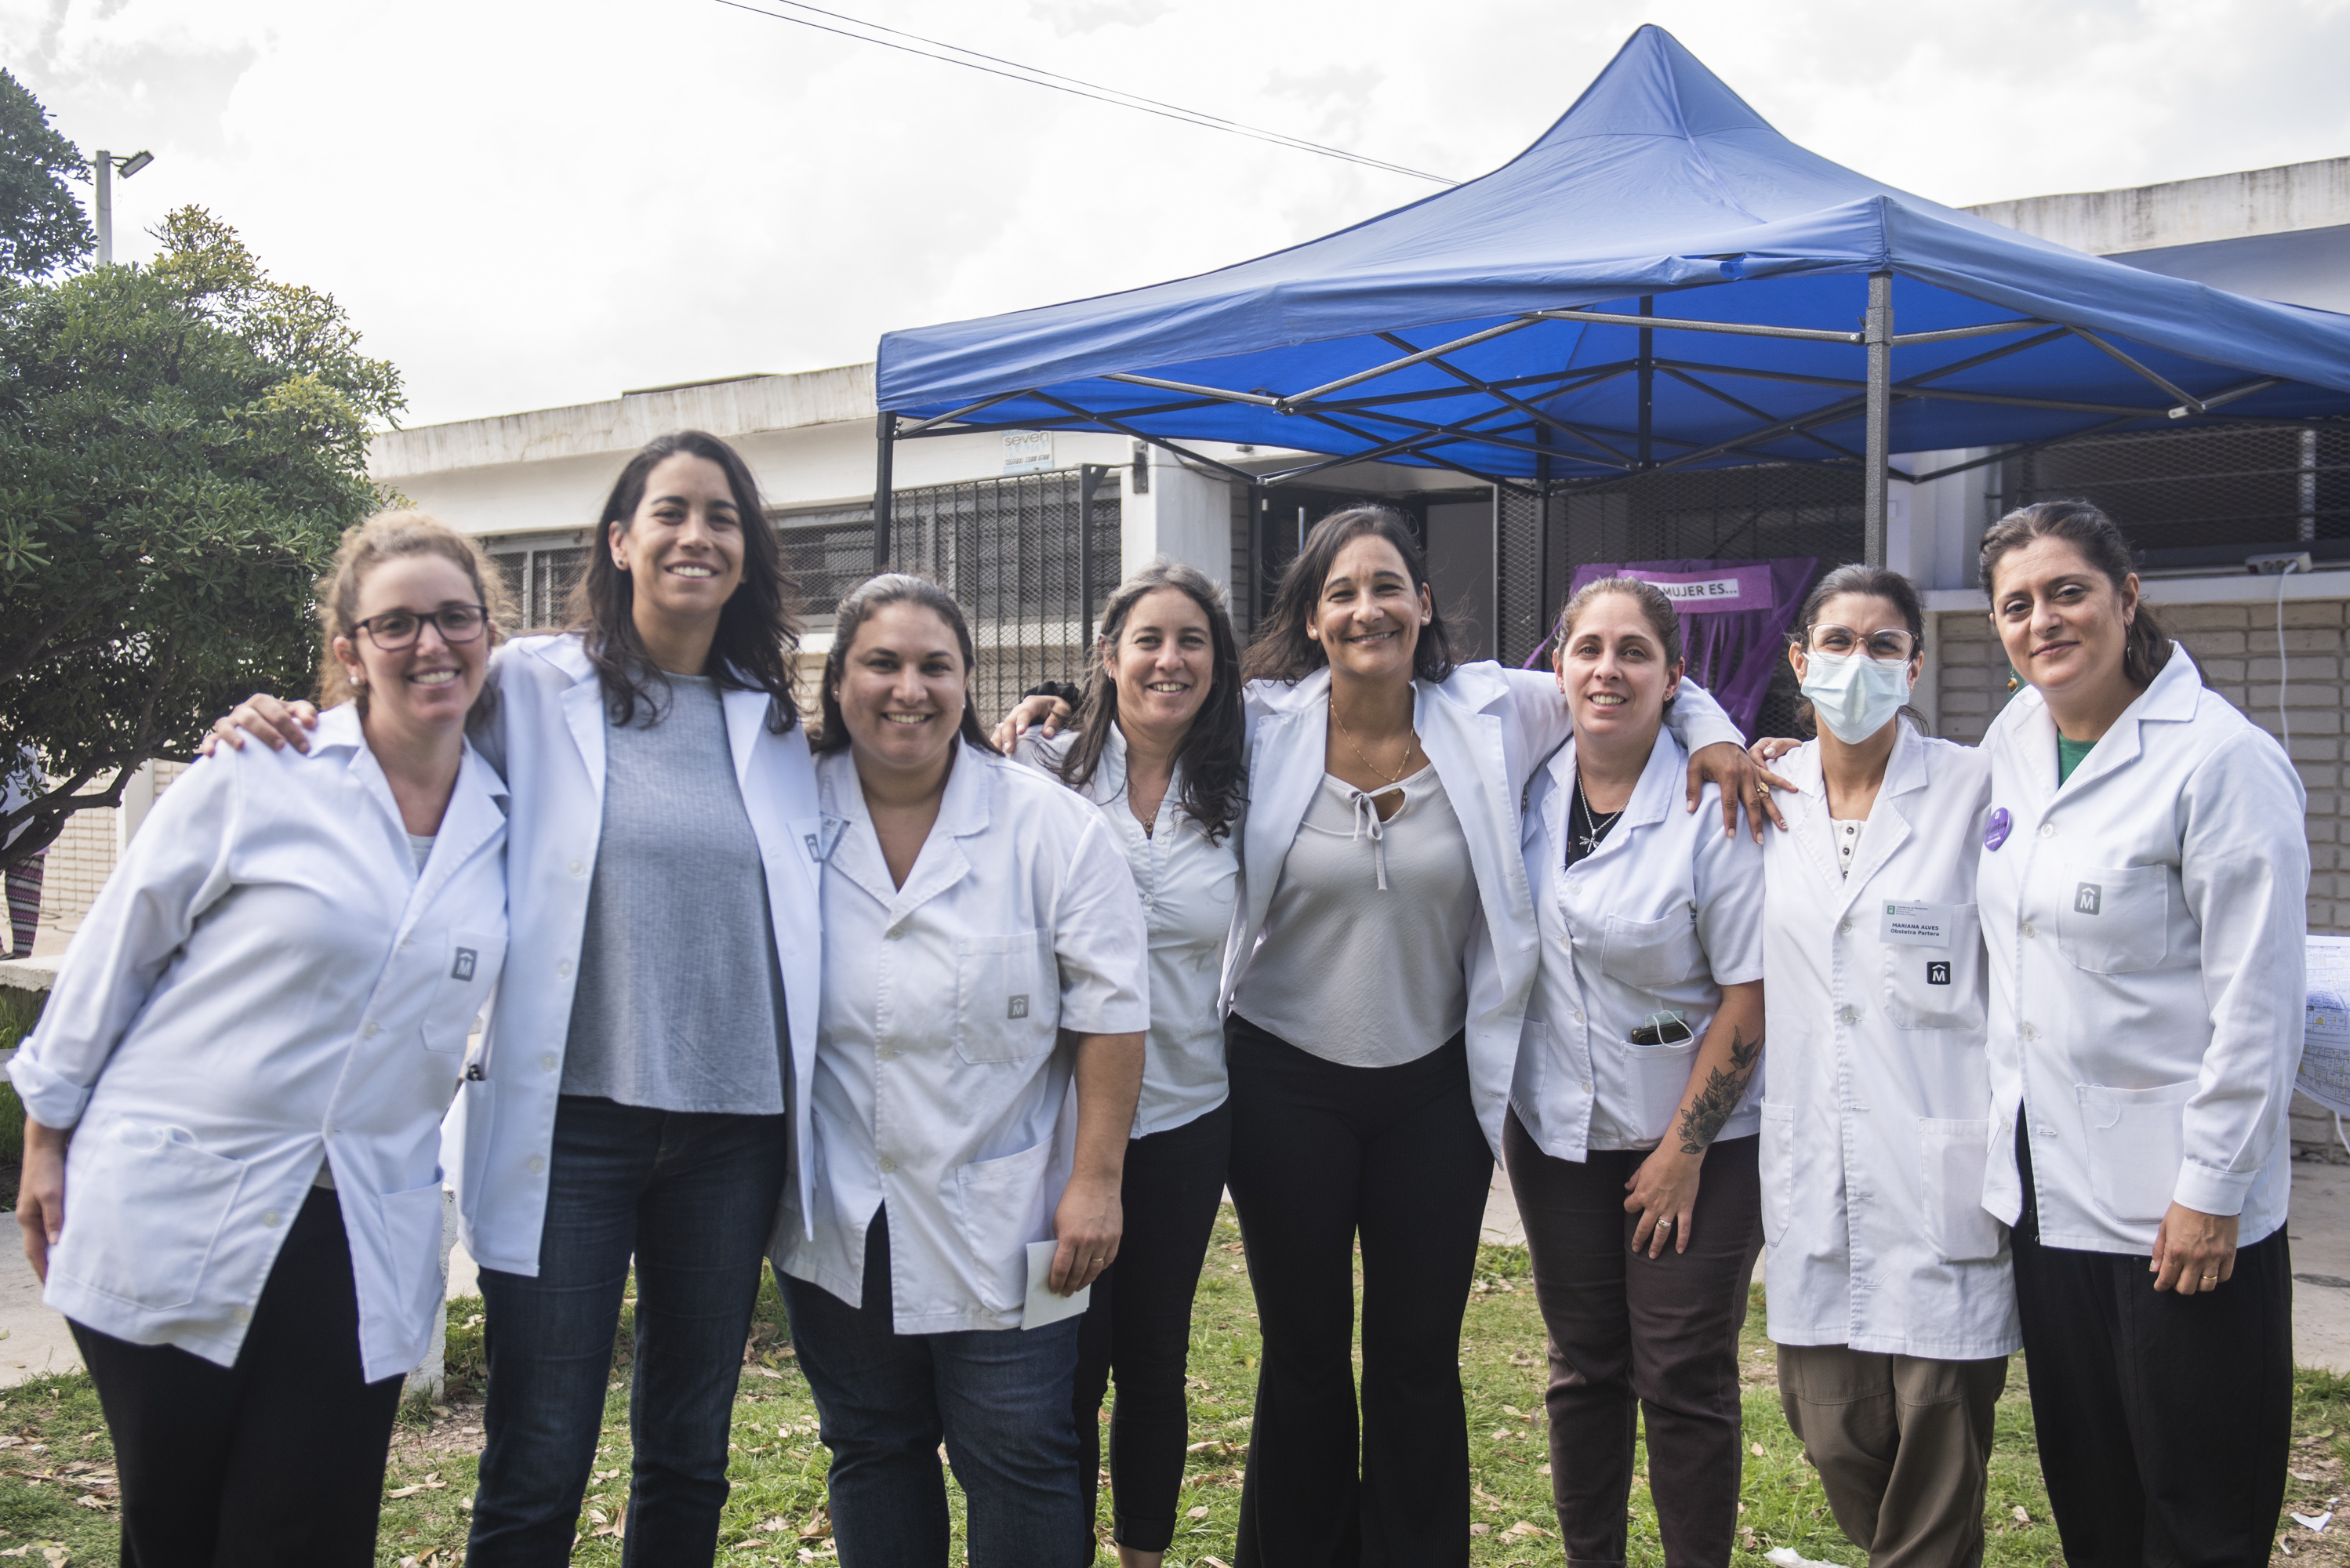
<point>1631,1130</point>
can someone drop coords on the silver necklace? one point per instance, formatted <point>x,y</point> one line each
<point>1599,829</point>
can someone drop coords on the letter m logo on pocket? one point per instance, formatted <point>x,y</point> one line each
<point>462,969</point>
<point>2086,898</point>
<point>1017,1007</point>
<point>1938,972</point>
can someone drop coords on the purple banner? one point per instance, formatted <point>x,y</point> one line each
<point>1738,613</point>
<point>1723,591</point>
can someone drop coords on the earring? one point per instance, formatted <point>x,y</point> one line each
<point>359,682</point>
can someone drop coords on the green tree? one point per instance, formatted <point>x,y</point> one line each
<point>181,447</point>
<point>41,225</point>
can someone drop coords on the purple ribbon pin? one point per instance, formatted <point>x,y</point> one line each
<point>1995,830</point>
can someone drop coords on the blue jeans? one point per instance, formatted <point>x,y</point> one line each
<point>999,1399</point>
<point>693,1197</point>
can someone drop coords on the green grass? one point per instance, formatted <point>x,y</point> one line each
<point>778,1468</point>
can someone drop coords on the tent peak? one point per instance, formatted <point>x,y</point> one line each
<point>1655,87</point>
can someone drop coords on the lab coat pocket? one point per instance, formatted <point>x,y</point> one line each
<point>1648,953</point>
<point>1951,1156</point>
<point>1007,1000</point>
<point>150,1207</point>
<point>1001,1207</point>
<point>1660,1075</point>
<point>468,974</point>
<point>477,1104</point>
<point>2136,1145</point>
<point>1778,1156</point>
<point>1938,988</point>
<point>2113,919</point>
<point>411,1232</point>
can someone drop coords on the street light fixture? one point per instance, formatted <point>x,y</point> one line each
<point>107,164</point>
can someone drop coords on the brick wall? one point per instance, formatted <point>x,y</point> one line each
<point>2236,647</point>
<point>83,855</point>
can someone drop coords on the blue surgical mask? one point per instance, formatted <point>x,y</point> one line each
<point>1854,695</point>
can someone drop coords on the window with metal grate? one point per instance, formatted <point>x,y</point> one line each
<point>2208,497</point>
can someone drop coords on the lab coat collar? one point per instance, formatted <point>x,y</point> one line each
<point>964,811</point>
<point>2030,730</point>
<point>475,814</point>
<point>1652,794</point>
<point>1887,826</point>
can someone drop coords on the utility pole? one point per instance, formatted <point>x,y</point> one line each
<point>104,164</point>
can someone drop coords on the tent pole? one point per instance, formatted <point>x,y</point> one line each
<point>1089,477</point>
<point>1875,496</point>
<point>1648,381</point>
<point>884,452</point>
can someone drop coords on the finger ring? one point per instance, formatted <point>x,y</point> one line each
<point>2210,1280</point>
<point>1664,1224</point>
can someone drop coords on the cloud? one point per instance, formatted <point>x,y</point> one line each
<point>525,208</point>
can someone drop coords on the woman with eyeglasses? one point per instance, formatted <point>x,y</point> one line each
<point>1891,1295</point>
<point>232,1183</point>
<point>641,1090</point>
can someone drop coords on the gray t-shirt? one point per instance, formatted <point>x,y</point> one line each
<point>679,1005</point>
<point>1363,962</point>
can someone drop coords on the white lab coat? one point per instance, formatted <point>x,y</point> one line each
<point>547,738</point>
<point>941,1086</point>
<point>1661,916</point>
<point>1191,894</point>
<point>1485,729</point>
<point>2145,925</point>
<point>265,981</point>
<point>1878,1117</point>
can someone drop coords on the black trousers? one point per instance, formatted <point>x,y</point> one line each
<point>277,1460</point>
<point>2163,1420</point>
<point>1633,1335</point>
<point>1323,1155</point>
<point>1139,1325</point>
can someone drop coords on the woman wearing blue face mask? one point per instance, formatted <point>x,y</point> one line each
<point>1891,1296</point>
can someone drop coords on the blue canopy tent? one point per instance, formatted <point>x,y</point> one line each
<point>1661,282</point>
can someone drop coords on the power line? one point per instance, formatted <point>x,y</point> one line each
<point>1033,76</point>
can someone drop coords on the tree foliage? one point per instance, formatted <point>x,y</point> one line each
<point>42,227</point>
<point>181,447</point>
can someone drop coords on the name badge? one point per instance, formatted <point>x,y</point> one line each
<point>1918,925</point>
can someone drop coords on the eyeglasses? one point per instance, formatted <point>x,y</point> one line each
<point>1843,642</point>
<point>395,631</point>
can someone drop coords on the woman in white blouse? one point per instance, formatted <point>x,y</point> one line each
<point>1159,749</point>
<point>1891,1295</point>
<point>978,1054</point>
<point>1631,1132</point>
<point>232,1183</point>
<point>2143,882</point>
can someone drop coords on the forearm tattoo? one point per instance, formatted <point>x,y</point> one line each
<point>1704,1116</point>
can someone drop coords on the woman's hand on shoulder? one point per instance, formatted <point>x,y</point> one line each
<point>1746,783</point>
<point>1051,712</point>
<point>276,724</point>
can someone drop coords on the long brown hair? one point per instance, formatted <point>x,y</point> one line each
<point>1281,651</point>
<point>388,537</point>
<point>758,628</point>
<point>1213,754</point>
<point>856,606</point>
<point>2145,647</point>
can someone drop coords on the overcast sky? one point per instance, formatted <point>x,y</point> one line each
<point>527,205</point>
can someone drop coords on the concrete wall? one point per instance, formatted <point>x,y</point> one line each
<point>2235,646</point>
<point>2186,212</point>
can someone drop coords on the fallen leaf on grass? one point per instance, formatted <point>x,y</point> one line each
<point>1481,1530</point>
<point>768,1372</point>
<point>404,1491</point>
<point>1199,1512</point>
<point>86,1501</point>
<point>1523,1528</point>
<point>1754,1448</point>
<point>2021,1516</point>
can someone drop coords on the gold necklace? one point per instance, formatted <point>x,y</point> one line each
<point>1412,741</point>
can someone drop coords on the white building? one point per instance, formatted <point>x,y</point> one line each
<point>999,519</point>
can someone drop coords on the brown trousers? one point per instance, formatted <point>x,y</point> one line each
<point>1632,1335</point>
<point>1901,1443</point>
